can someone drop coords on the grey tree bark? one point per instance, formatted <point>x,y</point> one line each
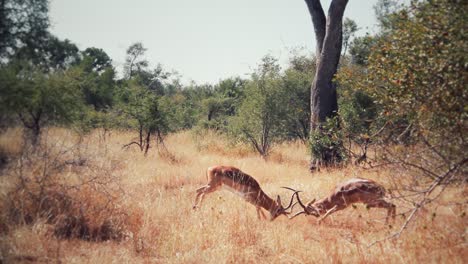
<point>328,35</point>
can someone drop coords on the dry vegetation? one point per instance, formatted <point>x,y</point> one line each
<point>152,212</point>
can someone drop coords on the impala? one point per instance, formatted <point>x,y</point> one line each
<point>244,185</point>
<point>355,190</point>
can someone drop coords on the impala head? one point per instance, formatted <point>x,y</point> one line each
<point>279,209</point>
<point>309,209</point>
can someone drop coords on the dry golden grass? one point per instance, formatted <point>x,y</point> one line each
<point>160,189</point>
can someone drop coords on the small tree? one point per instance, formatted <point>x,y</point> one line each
<point>349,29</point>
<point>139,98</point>
<point>259,120</point>
<point>37,99</point>
<point>143,113</point>
<point>135,62</point>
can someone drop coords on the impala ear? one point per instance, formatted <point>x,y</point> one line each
<point>278,200</point>
<point>311,202</point>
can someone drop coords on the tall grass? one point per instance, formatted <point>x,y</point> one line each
<point>159,191</point>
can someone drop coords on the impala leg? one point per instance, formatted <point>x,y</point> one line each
<point>260,213</point>
<point>393,211</point>
<point>329,212</point>
<point>201,192</point>
<point>391,208</point>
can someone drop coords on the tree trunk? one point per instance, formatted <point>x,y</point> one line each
<point>147,140</point>
<point>328,34</point>
<point>32,122</point>
<point>140,135</point>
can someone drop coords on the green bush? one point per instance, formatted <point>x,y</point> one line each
<point>327,142</point>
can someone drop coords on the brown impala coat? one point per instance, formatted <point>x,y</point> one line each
<point>243,184</point>
<point>356,190</point>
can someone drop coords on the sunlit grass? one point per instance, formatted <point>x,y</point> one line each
<point>160,190</point>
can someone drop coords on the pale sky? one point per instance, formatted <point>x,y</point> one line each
<point>204,40</point>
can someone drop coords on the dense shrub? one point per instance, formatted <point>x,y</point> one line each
<point>68,188</point>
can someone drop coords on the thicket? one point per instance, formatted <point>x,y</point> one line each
<point>70,188</point>
<point>409,100</point>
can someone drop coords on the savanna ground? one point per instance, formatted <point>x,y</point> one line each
<point>157,194</point>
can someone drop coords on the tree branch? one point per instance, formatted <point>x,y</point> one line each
<point>425,199</point>
<point>333,39</point>
<point>319,22</point>
<point>131,143</point>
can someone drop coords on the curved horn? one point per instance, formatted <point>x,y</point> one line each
<point>299,213</point>
<point>289,188</point>
<point>293,205</point>
<point>292,197</point>
<point>300,202</point>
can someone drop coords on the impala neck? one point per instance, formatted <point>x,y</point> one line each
<point>323,205</point>
<point>267,203</point>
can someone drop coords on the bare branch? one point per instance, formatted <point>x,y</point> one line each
<point>425,199</point>
<point>131,143</point>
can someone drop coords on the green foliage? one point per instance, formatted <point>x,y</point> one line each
<point>95,60</point>
<point>349,29</point>
<point>231,88</point>
<point>136,67</point>
<point>180,110</point>
<point>296,83</point>
<point>360,49</point>
<point>39,82</point>
<point>135,62</point>
<point>385,12</point>
<point>105,119</point>
<point>50,54</point>
<point>414,83</point>
<point>221,103</point>
<point>22,23</point>
<point>326,143</point>
<point>357,115</point>
<point>357,112</point>
<point>59,54</point>
<point>25,36</point>
<point>97,79</point>
<point>417,76</point>
<point>139,101</point>
<point>419,70</point>
<point>258,121</point>
<point>142,112</point>
<point>38,99</point>
<point>145,99</point>
<point>215,109</point>
<point>141,107</point>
